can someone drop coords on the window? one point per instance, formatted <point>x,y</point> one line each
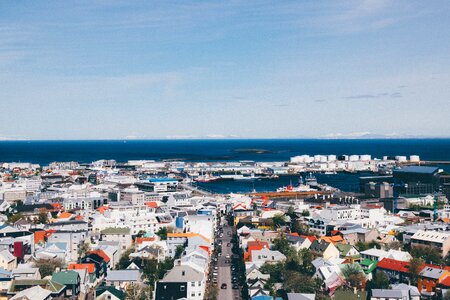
<point>182,288</point>
<point>192,283</point>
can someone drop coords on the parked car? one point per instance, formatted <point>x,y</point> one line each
<point>223,286</point>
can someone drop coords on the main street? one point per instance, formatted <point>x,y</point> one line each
<point>224,264</point>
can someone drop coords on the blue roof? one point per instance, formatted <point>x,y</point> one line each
<point>417,169</point>
<point>162,180</point>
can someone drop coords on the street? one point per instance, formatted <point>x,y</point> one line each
<point>224,267</point>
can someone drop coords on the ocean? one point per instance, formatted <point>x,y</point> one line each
<point>44,152</point>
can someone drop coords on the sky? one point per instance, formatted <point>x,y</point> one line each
<point>107,69</point>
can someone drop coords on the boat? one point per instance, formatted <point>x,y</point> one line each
<point>330,173</point>
<point>206,178</point>
<point>300,188</point>
<point>311,180</point>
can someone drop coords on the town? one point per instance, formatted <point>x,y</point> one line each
<point>145,229</point>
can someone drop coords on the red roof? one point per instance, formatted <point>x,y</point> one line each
<point>446,281</point>
<point>394,265</point>
<point>152,204</point>
<point>309,237</point>
<point>255,245</point>
<point>140,240</point>
<point>90,267</point>
<point>102,254</point>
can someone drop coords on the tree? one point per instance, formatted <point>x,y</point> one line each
<point>82,250</point>
<point>149,269</point>
<point>43,217</point>
<point>352,275</point>
<point>305,260</point>
<point>395,245</point>
<point>212,292</point>
<point>47,267</point>
<point>282,244</point>
<point>132,292</point>
<point>162,233</point>
<point>297,282</point>
<point>291,213</point>
<point>305,213</point>
<point>415,266</point>
<point>429,254</point>
<point>274,270</point>
<point>299,228</point>
<point>124,260</point>
<point>379,281</point>
<point>14,218</point>
<point>179,250</point>
<point>278,220</point>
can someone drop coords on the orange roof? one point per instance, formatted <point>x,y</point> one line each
<point>140,240</point>
<point>151,204</point>
<point>64,215</point>
<point>57,205</point>
<point>90,267</point>
<point>39,236</point>
<point>186,235</point>
<point>332,239</point>
<point>102,254</point>
<point>78,217</point>
<point>102,209</point>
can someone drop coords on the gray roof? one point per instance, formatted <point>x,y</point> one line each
<point>417,169</point>
<point>300,296</point>
<point>183,273</point>
<point>397,294</point>
<point>413,290</point>
<point>434,273</point>
<point>123,275</point>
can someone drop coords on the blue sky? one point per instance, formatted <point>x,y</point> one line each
<point>212,69</point>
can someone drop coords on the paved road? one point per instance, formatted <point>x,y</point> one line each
<point>224,268</point>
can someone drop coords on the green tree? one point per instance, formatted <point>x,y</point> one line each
<point>43,217</point>
<point>352,275</point>
<point>305,261</point>
<point>47,267</point>
<point>162,233</point>
<point>274,270</point>
<point>212,292</point>
<point>14,218</point>
<point>297,282</point>
<point>124,260</point>
<point>430,255</point>
<point>282,244</point>
<point>83,248</point>
<point>278,221</point>
<point>379,281</point>
<point>305,213</point>
<point>149,270</point>
<point>415,266</point>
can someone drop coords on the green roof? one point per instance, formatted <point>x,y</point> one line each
<point>368,265</point>
<point>66,277</point>
<point>112,290</point>
<point>344,249</point>
<point>116,230</point>
<point>47,284</point>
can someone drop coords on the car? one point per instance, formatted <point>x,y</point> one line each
<point>227,261</point>
<point>233,268</point>
<point>228,256</point>
<point>235,287</point>
<point>228,244</point>
<point>215,274</point>
<point>216,268</point>
<point>223,286</point>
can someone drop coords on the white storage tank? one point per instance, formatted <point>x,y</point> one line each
<point>414,158</point>
<point>365,157</point>
<point>353,158</point>
<point>332,157</point>
<point>401,158</point>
